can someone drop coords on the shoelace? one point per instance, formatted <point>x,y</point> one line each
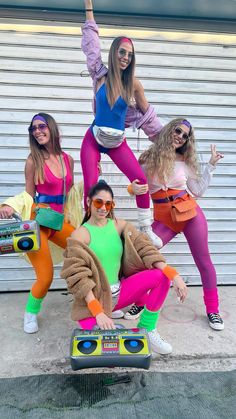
<point>215,318</point>
<point>135,309</point>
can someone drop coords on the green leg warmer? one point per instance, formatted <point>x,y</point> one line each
<point>148,319</point>
<point>33,304</point>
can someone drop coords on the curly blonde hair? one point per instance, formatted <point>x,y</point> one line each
<point>159,159</point>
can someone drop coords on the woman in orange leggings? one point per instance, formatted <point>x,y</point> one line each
<point>48,177</point>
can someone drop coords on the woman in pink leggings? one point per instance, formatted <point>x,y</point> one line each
<point>115,91</point>
<point>102,249</point>
<point>173,175</point>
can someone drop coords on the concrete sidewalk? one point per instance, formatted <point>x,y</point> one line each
<point>196,347</point>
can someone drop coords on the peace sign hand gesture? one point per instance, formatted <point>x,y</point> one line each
<point>215,155</point>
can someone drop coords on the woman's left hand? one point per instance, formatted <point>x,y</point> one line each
<point>215,155</point>
<point>139,189</point>
<point>180,287</point>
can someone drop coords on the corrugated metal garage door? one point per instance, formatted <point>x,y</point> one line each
<point>193,74</point>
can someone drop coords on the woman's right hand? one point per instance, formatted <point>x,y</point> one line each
<point>139,189</point>
<point>104,322</point>
<point>180,288</point>
<point>6,211</point>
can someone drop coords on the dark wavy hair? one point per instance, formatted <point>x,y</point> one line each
<point>101,185</point>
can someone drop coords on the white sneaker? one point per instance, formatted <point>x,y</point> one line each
<point>152,236</point>
<point>215,321</point>
<point>159,345</point>
<point>30,323</point>
<point>118,314</point>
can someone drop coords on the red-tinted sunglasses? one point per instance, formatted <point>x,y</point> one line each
<point>98,203</point>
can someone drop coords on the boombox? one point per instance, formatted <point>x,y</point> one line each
<point>110,348</point>
<point>19,236</point>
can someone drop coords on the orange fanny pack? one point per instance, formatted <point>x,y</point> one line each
<point>184,209</point>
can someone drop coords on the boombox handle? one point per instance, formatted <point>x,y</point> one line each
<point>16,216</point>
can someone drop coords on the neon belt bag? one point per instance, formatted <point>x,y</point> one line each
<point>47,217</point>
<point>183,210</point>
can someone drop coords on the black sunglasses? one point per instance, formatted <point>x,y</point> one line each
<point>179,131</point>
<point>122,53</point>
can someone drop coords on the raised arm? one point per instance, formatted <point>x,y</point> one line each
<point>198,186</point>
<point>88,4</point>
<point>91,45</point>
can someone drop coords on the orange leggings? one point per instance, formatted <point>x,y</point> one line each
<point>42,260</point>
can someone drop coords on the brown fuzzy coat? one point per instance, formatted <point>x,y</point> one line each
<point>83,271</point>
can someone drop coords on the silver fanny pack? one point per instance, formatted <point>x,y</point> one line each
<point>108,137</point>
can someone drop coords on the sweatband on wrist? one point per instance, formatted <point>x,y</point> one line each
<point>169,272</point>
<point>89,10</point>
<point>130,189</point>
<point>95,307</point>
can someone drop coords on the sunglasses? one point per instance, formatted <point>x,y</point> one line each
<point>41,127</point>
<point>98,203</point>
<point>122,53</point>
<point>179,131</point>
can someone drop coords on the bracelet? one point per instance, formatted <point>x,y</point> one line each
<point>95,307</point>
<point>170,272</point>
<point>89,10</point>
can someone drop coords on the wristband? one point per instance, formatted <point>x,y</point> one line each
<point>170,272</point>
<point>130,189</point>
<point>89,10</point>
<point>95,307</point>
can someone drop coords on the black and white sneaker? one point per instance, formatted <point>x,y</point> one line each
<point>215,321</point>
<point>134,312</point>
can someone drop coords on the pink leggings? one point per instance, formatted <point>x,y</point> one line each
<point>151,285</point>
<point>196,233</point>
<point>122,156</point>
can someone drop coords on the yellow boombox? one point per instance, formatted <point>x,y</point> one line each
<point>110,348</point>
<point>19,236</point>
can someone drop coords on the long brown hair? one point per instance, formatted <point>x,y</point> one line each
<point>119,83</point>
<point>39,152</point>
<point>160,158</point>
<point>101,185</point>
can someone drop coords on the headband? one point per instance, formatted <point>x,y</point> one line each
<point>185,122</point>
<point>41,118</point>
<point>124,39</point>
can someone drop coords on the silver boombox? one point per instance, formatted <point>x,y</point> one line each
<point>17,236</point>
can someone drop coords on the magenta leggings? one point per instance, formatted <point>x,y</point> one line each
<point>122,156</point>
<point>150,285</point>
<point>196,233</point>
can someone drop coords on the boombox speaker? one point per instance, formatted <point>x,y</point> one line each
<point>110,348</point>
<point>19,236</point>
